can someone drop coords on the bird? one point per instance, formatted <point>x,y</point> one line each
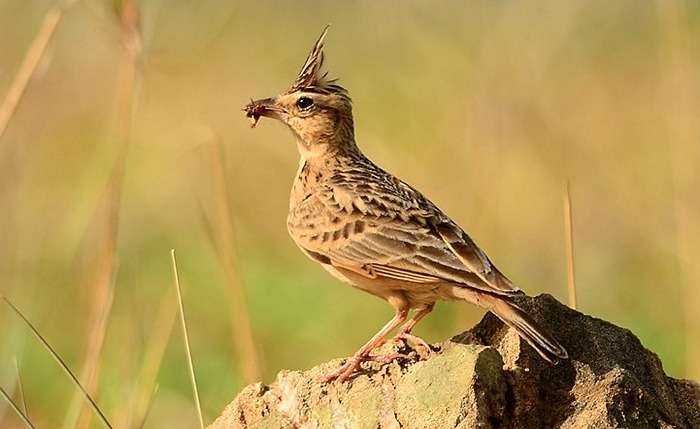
<point>374,231</point>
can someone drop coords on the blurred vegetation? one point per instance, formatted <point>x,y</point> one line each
<point>488,107</point>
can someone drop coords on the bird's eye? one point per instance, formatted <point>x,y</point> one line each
<point>304,103</point>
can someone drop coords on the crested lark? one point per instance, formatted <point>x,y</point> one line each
<point>375,232</point>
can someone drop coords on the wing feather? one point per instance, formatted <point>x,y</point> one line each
<point>383,224</point>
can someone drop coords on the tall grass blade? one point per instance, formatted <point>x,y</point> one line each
<point>20,388</point>
<point>186,336</point>
<point>31,60</point>
<point>141,397</point>
<point>149,405</point>
<point>60,362</point>
<point>106,216</point>
<point>16,409</point>
<point>223,238</point>
<point>99,253</point>
<point>91,368</point>
<point>99,265</point>
<point>569,238</point>
<point>679,110</point>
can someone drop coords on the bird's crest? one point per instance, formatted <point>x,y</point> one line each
<point>312,78</point>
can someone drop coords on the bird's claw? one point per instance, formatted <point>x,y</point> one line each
<point>353,363</point>
<point>419,345</point>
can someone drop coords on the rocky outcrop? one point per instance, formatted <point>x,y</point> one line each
<point>485,378</point>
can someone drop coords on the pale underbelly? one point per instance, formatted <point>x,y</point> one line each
<point>417,294</point>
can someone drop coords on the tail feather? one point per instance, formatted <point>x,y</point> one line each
<point>512,315</point>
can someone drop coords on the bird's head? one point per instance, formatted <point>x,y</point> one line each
<point>315,108</point>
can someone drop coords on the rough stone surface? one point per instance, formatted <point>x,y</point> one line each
<point>486,378</point>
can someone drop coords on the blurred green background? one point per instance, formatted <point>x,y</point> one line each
<point>129,141</point>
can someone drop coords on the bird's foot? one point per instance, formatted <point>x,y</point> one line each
<point>419,345</point>
<point>354,363</point>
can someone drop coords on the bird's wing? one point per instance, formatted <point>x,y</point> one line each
<point>386,228</point>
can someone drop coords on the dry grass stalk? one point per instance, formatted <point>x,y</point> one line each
<point>142,395</point>
<point>22,415</point>
<point>569,238</point>
<point>186,336</point>
<point>31,60</point>
<point>59,360</point>
<point>107,215</point>
<point>106,270</point>
<point>224,243</point>
<point>104,295</point>
<point>681,106</point>
<point>147,410</point>
<point>128,85</point>
<point>101,241</point>
<point>20,389</point>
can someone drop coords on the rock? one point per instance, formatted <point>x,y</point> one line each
<point>486,378</point>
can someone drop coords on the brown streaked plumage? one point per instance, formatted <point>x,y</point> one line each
<point>375,232</point>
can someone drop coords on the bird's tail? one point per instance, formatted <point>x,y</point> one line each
<point>512,315</point>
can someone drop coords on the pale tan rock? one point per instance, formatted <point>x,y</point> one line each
<point>486,378</point>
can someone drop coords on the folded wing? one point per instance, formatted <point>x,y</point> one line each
<point>391,230</point>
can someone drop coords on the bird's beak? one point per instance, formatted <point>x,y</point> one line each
<point>266,107</point>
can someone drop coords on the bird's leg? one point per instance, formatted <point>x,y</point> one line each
<point>404,333</point>
<point>362,355</point>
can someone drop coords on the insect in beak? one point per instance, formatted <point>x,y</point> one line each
<point>257,108</point>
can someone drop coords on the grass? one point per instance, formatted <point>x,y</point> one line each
<point>142,420</point>
<point>61,363</point>
<point>680,85</point>
<point>33,56</point>
<point>569,239</point>
<point>186,337</point>
<point>20,389</point>
<point>90,372</point>
<point>21,414</point>
<point>99,250</point>
<point>141,396</point>
<point>222,236</point>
